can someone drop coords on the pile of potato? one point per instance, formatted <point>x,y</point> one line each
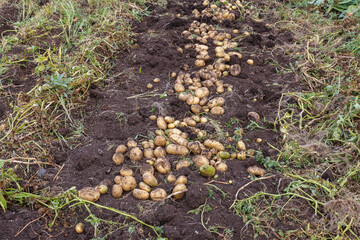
<point>218,13</point>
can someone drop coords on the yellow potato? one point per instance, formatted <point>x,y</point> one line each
<point>200,160</point>
<point>118,158</point>
<point>89,194</point>
<point>257,171</point>
<point>196,108</point>
<point>140,194</point>
<point>144,186</point>
<point>182,163</point>
<point>200,63</point>
<point>180,180</point>
<point>190,122</point>
<point>203,101</point>
<point>202,92</point>
<point>241,145</point>
<point>116,191</point>
<point>148,153</point>
<point>153,117</point>
<point>184,96</point>
<point>121,149</point>
<point>177,139</point>
<point>169,119</point>
<point>125,171</point>
<point>221,166</point>
<point>160,141</point>
<point>136,154</point>
<point>146,168</point>
<point>216,102</point>
<point>241,155</point>
<point>150,179</point>
<point>79,228</point>
<point>217,111</point>
<point>192,100</point>
<point>158,194</point>
<point>162,164</point>
<point>131,144</point>
<point>118,179</point>
<point>177,150</point>
<point>220,89</point>
<point>128,183</point>
<point>174,131</point>
<point>214,144</point>
<point>159,152</point>
<point>171,178</point>
<point>161,123</point>
<point>179,188</point>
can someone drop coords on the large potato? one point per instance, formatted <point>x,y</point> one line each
<point>161,123</point>
<point>177,139</point>
<point>241,145</point>
<point>179,188</point>
<point>148,153</point>
<point>235,70</point>
<point>146,168</point>
<point>257,171</point>
<point>178,87</point>
<point>162,164</point>
<point>200,160</point>
<point>221,166</point>
<point>196,108</point>
<point>174,131</point>
<point>159,152</point>
<point>136,154</point>
<point>202,92</point>
<point>190,122</point>
<point>140,194</point>
<point>144,186</point>
<point>160,141</point>
<point>182,163</point>
<point>158,194</point>
<point>116,191</point>
<point>217,111</point>
<point>216,102</point>
<point>207,170</point>
<point>128,183</point>
<point>131,144</point>
<point>125,171</point>
<point>180,180</point>
<point>195,147</point>
<point>150,179</point>
<point>121,149</point>
<point>214,144</point>
<point>177,150</point>
<point>89,194</point>
<point>118,158</point>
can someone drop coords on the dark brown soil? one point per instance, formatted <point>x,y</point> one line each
<point>114,114</point>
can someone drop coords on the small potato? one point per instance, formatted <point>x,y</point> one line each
<point>156,80</point>
<point>192,100</point>
<point>224,155</point>
<point>207,170</point>
<point>220,89</point>
<point>196,118</point>
<point>160,141</point>
<point>177,150</point>
<point>235,70</point>
<point>241,145</point>
<point>146,168</point>
<point>121,149</point>
<point>174,131</point>
<point>144,186</point>
<point>128,183</point>
<point>196,108</point>
<point>125,171</point>
<point>208,83</point>
<point>158,194</point>
<point>214,144</point>
<point>153,117</point>
<point>184,96</point>
<point>190,122</point>
<point>162,164</point>
<point>118,179</point>
<point>161,123</point>
<point>148,153</point>
<point>140,194</point>
<point>216,102</point>
<point>250,62</point>
<point>200,63</point>
<point>182,163</point>
<point>200,160</point>
<point>202,92</point>
<point>179,188</point>
<point>118,158</point>
<point>241,155</point>
<point>203,120</point>
<point>217,111</point>
<point>149,86</point>
<point>136,154</point>
<point>195,147</point>
<point>150,179</point>
<point>169,119</point>
<point>203,101</point>
<point>221,166</point>
<point>171,178</point>
<point>159,152</point>
<point>89,194</point>
<point>79,228</point>
<point>254,115</point>
<point>131,144</point>
<point>177,139</point>
<point>257,171</point>
<point>116,191</point>
<point>180,180</point>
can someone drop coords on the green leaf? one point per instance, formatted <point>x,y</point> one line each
<point>3,201</point>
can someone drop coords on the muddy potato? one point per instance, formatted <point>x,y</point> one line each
<point>160,122</point>
<point>217,111</point>
<point>180,180</point>
<point>121,149</point>
<point>125,171</point>
<point>136,154</point>
<point>203,120</point>
<point>140,194</point>
<point>192,100</point>
<point>241,145</point>
<point>118,179</point>
<point>184,135</point>
<point>89,194</point>
<point>158,194</point>
<point>148,153</point>
<point>257,171</point>
<point>214,144</point>
<point>254,115</point>
<point>203,101</point>
<point>224,155</point>
<point>131,144</point>
<point>196,108</point>
<point>171,178</point>
<point>174,131</point>
<point>150,179</point>
<point>128,183</point>
<point>118,158</point>
<point>179,188</point>
<point>162,164</point>
<point>221,166</point>
<point>241,155</point>
<point>202,92</point>
<point>235,70</point>
<point>190,122</point>
<point>182,163</point>
<point>146,168</point>
<point>177,150</point>
<point>117,191</point>
<point>79,228</point>
<point>216,102</point>
<point>207,170</point>
<point>195,147</point>
<point>184,96</point>
<point>177,139</point>
<point>200,160</point>
<point>160,141</point>
<point>220,89</point>
<point>144,186</point>
<point>169,119</point>
<point>159,152</point>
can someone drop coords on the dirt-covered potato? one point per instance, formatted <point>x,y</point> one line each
<point>254,115</point>
<point>171,178</point>
<point>146,168</point>
<point>199,63</point>
<point>102,189</point>
<point>177,150</point>
<point>89,194</point>
<point>131,144</point>
<point>178,87</point>
<point>217,111</point>
<point>202,92</point>
<point>182,163</point>
<point>158,194</point>
<point>241,145</point>
<point>159,152</point>
<point>190,122</point>
<point>118,158</point>
<point>136,154</point>
<point>140,194</point>
<point>125,171</point>
<point>177,139</point>
<point>180,180</point>
<point>192,100</point>
<point>174,131</point>
<point>241,155</point>
<point>200,160</point>
<point>118,179</point>
<point>160,141</point>
<point>203,101</point>
<point>150,179</point>
<point>257,171</point>
<point>203,120</point>
<point>117,191</point>
<point>144,186</point>
<point>179,188</point>
<point>148,153</point>
<point>169,119</point>
<point>195,147</point>
<point>79,228</point>
<point>221,166</point>
<point>207,170</point>
<point>216,102</point>
<point>214,144</point>
<point>128,183</point>
<point>208,83</point>
<point>121,149</point>
<point>235,70</point>
<point>162,164</point>
<point>160,121</point>
<point>224,155</point>
<point>184,96</point>
<point>196,108</point>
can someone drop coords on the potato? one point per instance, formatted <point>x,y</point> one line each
<point>140,194</point>
<point>169,119</point>
<point>121,149</point>
<point>190,122</point>
<point>257,171</point>
<point>208,83</point>
<point>125,171</point>
<point>203,120</point>
<point>200,160</point>
<point>196,118</point>
<point>184,96</point>
<point>182,163</point>
<point>241,155</point>
<point>179,188</point>
<point>177,150</point>
<point>148,153</point>
<point>194,147</point>
<point>117,191</point>
<point>235,70</point>
<point>221,166</point>
<point>214,144</point>
<point>174,131</point>
<point>216,102</point>
<point>193,88</point>
<point>206,153</point>
<point>131,144</point>
<point>192,100</point>
<point>149,86</point>
<point>162,164</point>
<point>128,183</point>
<point>118,158</point>
<point>153,117</point>
<point>207,170</point>
<point>171,178</point>
<point>161,123</point>
<point>254,115</point>
<point>79,228</point>
<point>184,135</point>
<point>173,74</point>
<point>224,155</point>
<point>203,101</point>
<point>250,62</point>
<point>146,168</point>
<point>158,194</point>
<point>160,141</point>
<point>235,54</point>
<point>241,145</point>
<point>180,180</point>
<point>202,92</point>
<point>150,179</point>
<point>196,108</point>
<point>220,89</point>
<point>118,179</point>
<point>217,111</point>
<point>159,152</point>
<point>200,63</point>
<point>144,186</point>
<point>177,139</point>
<point>89,194</point>
<point>136,154</point>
